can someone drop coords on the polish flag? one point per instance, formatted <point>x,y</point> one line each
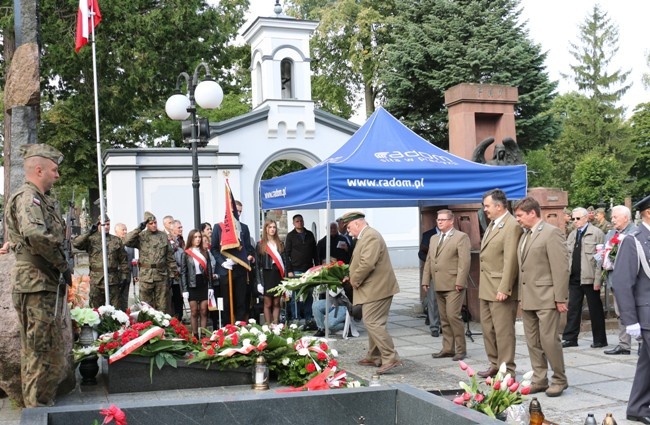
<point>84,22</point>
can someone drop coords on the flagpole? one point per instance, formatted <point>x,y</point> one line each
<point>102,211</point>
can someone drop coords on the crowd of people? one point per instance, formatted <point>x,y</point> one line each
<point>525,263</point>
<point>528,264</point>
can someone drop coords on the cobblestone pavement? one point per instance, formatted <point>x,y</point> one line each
<point>598,383</point>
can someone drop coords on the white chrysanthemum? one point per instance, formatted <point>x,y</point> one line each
<point>106,309</point>
<point>254,331</point>
<point>289,341</point>
<point>165,323</point>
<point>262,338</point>
<point>246,342</point>
<point>293,326</point>
<point>252,321</point>
<point>121,316</point>
<point>285,361</point>
<point>265,329</point>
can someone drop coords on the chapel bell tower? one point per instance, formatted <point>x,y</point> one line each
<point>280,73</point>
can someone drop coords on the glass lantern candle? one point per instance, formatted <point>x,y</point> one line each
<point>260,374</point>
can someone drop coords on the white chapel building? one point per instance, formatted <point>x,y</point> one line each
<point>283,124</point>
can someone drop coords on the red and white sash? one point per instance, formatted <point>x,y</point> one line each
<point>200,260</point>
<point>277,259</point>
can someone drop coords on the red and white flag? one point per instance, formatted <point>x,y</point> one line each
<point>231,246</point>
<point>84,22</point>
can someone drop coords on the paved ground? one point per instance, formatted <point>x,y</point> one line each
<point>598,383</point>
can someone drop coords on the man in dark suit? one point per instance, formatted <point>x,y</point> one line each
<point>430,302</point>
<point>543,277</point>
<point>498,283</point>
<point>374,284</point>
<point>584,281</point>
<point>447,269</point>
<point>631,283</point>
<point>240,289</point>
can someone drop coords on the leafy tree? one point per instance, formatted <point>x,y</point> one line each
<point>640,172</point>
<point>142,46</point>
<point>441,43</point>
<point>596,180</point>
<point>348,49</point>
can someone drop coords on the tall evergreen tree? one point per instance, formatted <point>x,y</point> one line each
<point>640,172</point>
<point>442,43</point>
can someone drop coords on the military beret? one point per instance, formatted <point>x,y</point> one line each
<point>351,216</point>
<point>643,204</point>
<point>590,209</point>
<point>99,218</point>
<point>42,150</point>
<point>600,210</point>
<point>148,216</point>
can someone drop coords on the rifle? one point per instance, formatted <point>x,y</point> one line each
<point>67,252</point>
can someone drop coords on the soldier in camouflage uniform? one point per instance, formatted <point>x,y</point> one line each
<point>118,268</point>
<point>36,232</point>
<point>157,264</point>
<point>601,220</point>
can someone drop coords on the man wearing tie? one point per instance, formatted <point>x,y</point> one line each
<point>631,283</point>
<point>544,276</point>
<point>498,283</point>
<point>447,268</point>
<point>584,281</point>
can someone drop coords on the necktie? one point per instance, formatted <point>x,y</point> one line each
<point>442,239</point>
<point>523,242</point>
<point>489,229</point>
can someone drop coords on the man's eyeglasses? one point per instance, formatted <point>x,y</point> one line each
<point>578,218</point>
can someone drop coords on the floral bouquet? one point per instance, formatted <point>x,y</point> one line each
<point>85,316</point>
<point>111,319</point>
<point>497,395</point>
<point>308,358</point>
<point>80,352</point>
<point>329,275</point>
<point>326,380</point>
<point>239,345</point>
<point>113,413</point>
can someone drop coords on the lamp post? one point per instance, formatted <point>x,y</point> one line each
<point>208,95</point>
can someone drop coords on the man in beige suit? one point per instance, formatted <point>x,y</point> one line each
<point>447,265</point>
<point>498,283</point>
<point>374,283</point>
<point>544,278</point>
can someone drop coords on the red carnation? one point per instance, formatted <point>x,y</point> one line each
<point>210,352</point>
<point>113,413</point>
<point>310,368</point>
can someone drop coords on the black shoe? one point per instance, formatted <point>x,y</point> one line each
<point>310,325</point>
<point>617,350</point>
<point>319,333</point>
<point>598,345</point>
<point>566,344</point>
<point>426,321</point>
<point>642,419</point>
<point>435,333</point>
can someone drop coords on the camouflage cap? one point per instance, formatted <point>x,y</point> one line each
<point>568,210</point>
<point>42,150</point>
<point>590,209</point>
<point>148,216</point>
<point>600,210</point>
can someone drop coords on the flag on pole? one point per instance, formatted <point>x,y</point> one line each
<point>84,22</point>
<point>231,245</point>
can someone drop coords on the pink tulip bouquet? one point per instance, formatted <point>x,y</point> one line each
<point>496,394</point>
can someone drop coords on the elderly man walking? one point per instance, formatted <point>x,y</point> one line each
<point>374,283</point>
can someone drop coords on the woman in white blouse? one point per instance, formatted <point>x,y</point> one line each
<point>196,280</point>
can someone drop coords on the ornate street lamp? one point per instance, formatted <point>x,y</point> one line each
<point>208,95</point>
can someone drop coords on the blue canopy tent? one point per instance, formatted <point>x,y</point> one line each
<point>385,164</point>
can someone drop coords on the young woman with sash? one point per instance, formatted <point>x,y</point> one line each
<point>270,268</point>
<point>196,279</point>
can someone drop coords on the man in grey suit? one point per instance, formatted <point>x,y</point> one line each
<point>622,225</point>
<point>447,269</point>
<point>631,283</point>
<point>374,283</point>
<point>498,283</point>
<point>544,290</point>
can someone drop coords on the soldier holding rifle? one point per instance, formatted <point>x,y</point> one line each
<point>40,275</point>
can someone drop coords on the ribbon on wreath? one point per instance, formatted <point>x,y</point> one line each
<point>303,348</point>
<point>325,380</point>
<point>136,343</point>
